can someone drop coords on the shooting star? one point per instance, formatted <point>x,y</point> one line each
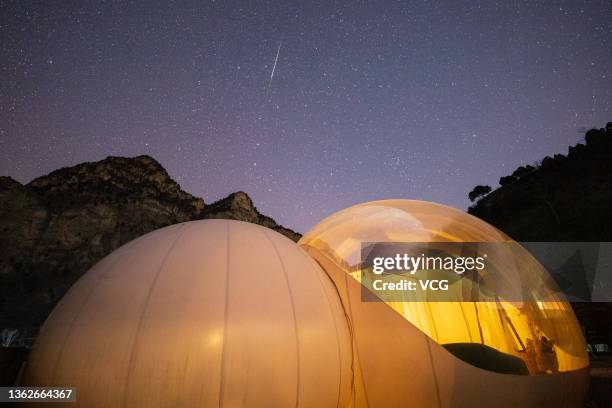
<point>274,66</point>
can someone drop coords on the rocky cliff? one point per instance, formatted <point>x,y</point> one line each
<point>56,227</point>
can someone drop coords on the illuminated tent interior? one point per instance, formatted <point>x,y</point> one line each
<point>536,341</point>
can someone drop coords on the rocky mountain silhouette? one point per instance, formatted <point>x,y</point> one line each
<point>564,198</point>
<point>56,227</point>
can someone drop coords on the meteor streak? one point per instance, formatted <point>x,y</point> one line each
<point>274,66</point>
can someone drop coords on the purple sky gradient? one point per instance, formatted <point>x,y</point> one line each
<point>376,100</point>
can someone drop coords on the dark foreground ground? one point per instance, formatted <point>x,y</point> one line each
<point>600,391</point>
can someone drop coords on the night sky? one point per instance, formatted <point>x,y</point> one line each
<point>374,100</point>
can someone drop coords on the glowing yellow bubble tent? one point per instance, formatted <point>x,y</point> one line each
<point>540,342</point>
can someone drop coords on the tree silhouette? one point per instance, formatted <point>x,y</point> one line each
<point>479,191</point>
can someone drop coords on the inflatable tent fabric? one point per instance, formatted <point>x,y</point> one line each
<point>201,314</point>
<point>225,313</point>
<point>420,342</point>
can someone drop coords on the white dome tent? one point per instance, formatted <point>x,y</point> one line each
<point>201,314</point>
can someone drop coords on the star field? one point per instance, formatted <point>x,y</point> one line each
<point>370,100</point>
